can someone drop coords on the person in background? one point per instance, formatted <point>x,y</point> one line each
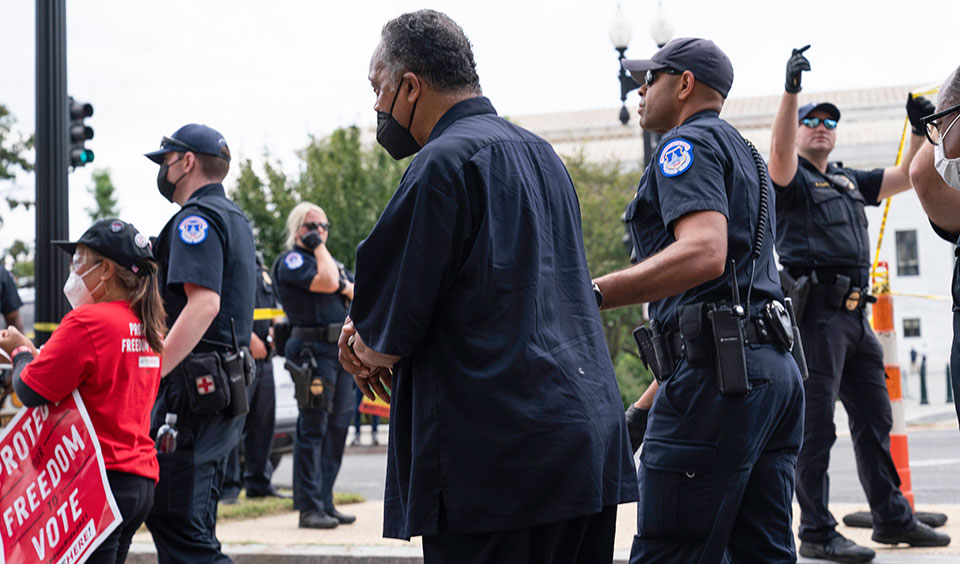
<point>114,293</point>
<point>824,247</point>
<point>255,473</point>
<point>10,302</point>
<point>357,418</point>
<point>316,291</point>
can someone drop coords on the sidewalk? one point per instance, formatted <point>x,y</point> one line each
<point>277,540</point>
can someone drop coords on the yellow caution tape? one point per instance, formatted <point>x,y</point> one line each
<point>886,209</point>
<point>45,326</point>
<point>262,313</point>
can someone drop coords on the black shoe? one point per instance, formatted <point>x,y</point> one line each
<point>268,493</point>
<point>229,499</point>
<point>313,520</point>
<point>838,549</point>
<point>341,518</point>
<point>917,535</point>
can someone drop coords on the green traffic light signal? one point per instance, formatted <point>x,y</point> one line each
<point>79,132</point>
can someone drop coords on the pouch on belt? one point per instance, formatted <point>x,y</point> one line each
<point>207,384</point>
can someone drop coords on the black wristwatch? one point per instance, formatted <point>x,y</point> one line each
<point>598,294</point>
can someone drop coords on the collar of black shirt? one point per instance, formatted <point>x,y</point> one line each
<point>466,108</point>
<point>702,114</point>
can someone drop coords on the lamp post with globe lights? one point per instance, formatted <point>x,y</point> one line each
<point>661,29</point>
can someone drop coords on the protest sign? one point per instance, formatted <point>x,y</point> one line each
<point>379,407</point>
<point>55,501</point>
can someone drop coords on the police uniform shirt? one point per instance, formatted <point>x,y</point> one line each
<point>822,223</point>
<point>704,165</point>
<point>304,308</point>
<point>504,406</point>
<point>209,243</point>
<point>9,298</point>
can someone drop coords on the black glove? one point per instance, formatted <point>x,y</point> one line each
<point>311,240</point>
<point>636,425</point>
<point>796,64</point>
<point>918,108</point>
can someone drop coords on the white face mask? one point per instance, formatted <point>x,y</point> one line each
<point>76,290</point>
<point>949,169</point>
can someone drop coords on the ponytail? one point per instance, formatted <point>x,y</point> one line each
<point>146,303</point>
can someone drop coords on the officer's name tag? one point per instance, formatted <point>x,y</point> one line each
<point>149,362</point>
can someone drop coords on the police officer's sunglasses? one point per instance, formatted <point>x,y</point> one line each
<point>171,144</point>
<point>317,225</point>
<point>812,123</point>
<point>933,128</point>
<point>651,75</point>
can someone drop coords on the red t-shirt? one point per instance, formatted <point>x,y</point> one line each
<point>100,351</point>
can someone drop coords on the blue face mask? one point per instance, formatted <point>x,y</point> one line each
<point>396,139</point>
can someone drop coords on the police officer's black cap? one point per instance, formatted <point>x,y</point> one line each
<point>708,63</point>
<point>194,138</point>
<point>825,107</point>
<point>117,240</point>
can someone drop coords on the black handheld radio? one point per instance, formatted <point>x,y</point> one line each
<point>728,337</point>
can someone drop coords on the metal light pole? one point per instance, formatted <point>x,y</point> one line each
<point>51,165</point>
<point>620,33</point>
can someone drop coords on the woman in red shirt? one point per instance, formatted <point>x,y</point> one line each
<point>108,350</point>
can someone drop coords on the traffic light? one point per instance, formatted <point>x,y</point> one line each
<point>80,133</point>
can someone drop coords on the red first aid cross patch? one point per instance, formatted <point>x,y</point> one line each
<point>205,385</point>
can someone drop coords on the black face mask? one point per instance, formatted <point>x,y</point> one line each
<point>311,240</point>
<point>166,187</point>
<point>396,139</point>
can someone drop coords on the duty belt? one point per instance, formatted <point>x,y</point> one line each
<point>324,333</point>
<point>666,347</point>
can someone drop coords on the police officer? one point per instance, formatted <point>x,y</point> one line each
<point>257,438</point>
<point>207,280</point>
<point>936,175</point>
<point>724,427</point>
<point>315,291</point>
<point>823,245</point>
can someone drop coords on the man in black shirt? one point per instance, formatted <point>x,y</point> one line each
<point>507,436</point>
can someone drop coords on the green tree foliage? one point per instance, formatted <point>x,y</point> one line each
<point>350,182</point>
<point>103,192</point>
<point>22,256</point>
<point>13,155</point>
<point>604,190</point>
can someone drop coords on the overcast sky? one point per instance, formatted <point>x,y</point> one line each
<point>270,74</point>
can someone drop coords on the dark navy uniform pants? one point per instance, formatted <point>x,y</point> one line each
<point>845,360</point>
<point>717,473</point>
<point>257,439</point>
<point>184,516</point>
<point>321,436</point>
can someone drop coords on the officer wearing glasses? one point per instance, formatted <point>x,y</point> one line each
<point>824,249</point>
<point>315,291</point>
<point>936,175</point>
<point>716,469</point>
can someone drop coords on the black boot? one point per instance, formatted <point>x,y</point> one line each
<point>838,549</point>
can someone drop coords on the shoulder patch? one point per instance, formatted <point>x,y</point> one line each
<point>293,260</point>
<point>193,229</point>
<point>676,157</point>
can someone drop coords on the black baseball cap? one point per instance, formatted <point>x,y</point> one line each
<point>117,240</point>
<point>827,107</point>
<point>708,63</point>
<point>195,138</point>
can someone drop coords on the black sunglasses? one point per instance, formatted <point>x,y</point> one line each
<point>651,75</point>
<point>812,123</point>
<point>170,143</point>
<point>314,225</point>
<point>932,128</point>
